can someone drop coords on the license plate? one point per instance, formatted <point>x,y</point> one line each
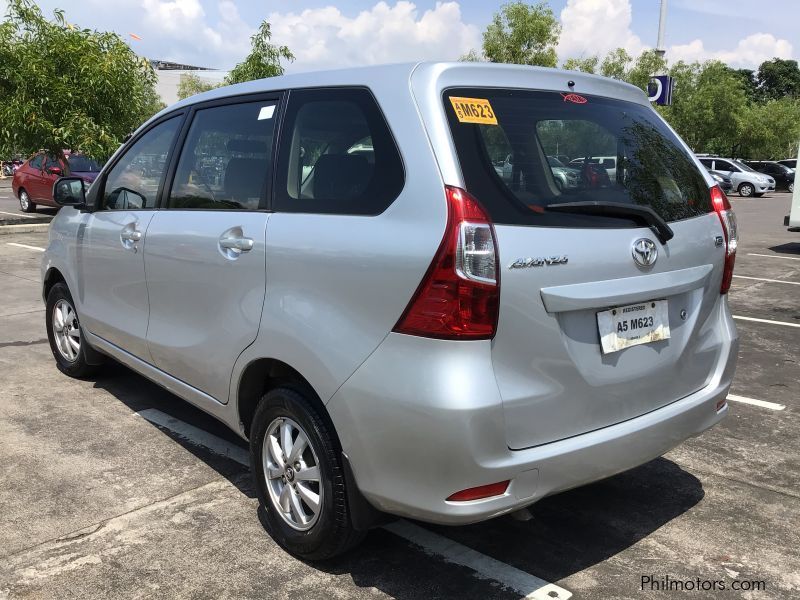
<point>625,326</point>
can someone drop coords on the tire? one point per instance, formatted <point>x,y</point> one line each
<point>746,190</point>
<point>559,185</point>
<point>329,531</point>
<point>791,187</point>
<point>69,360</point>
<point>26,205</point>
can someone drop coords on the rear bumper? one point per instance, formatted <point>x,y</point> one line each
<point>422,419</point>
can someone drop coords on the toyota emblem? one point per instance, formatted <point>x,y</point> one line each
<point>645,252</point>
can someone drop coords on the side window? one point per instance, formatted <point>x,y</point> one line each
<point>337,155</point>
<point>36,162</point>
<point>133,182</point>
<point>51,162</point>
<point>706,162</point>
<point>225,162</point>
<point>724,165</point>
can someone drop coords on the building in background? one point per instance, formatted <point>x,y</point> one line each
<point>169,77</point>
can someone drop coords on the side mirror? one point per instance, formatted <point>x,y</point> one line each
<point>54,170</point>
<point>69,191</point>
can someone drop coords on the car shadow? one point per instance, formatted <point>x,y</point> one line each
<point>569,532</point>
<point>788,248</point>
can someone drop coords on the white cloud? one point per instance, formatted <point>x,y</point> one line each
<point>325,38</point>
<point>596,26</point>
<point>592,27</point>
<point>749,52</point>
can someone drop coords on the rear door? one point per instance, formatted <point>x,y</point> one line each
<point>34,180</point>
<point>574,285</point>
<point>206,257</point>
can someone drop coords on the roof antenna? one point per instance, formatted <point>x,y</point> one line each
<point>571,83</point>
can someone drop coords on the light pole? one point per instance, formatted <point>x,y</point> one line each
<point>662,23</point>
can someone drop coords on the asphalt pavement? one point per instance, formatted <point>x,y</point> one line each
<point>114,488</point>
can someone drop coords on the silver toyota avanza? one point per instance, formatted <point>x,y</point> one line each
<point>330,264</point>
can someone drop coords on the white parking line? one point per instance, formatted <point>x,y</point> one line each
<point>774,256</point>
<point>3,212</point>
<point>767,280</point>
<point>754,402</point>
<point>26,246</point>
<point>485,567</point>
<point>196,435</point>
<point>784,323</point>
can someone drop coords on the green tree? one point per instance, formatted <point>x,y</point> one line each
<point>778,78</point>
<point>524,34</point>
<point>770,130</point>
<point>264,59</point>
<point>748,79</point>
<point>190,84</point>
<point>615,64</point>
<point>66,87</point>
<point>647,64</point>
<point>586,65</point>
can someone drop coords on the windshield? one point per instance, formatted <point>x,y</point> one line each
<point>82,164</point>
<point>744,167</point>
<point>618,152</point>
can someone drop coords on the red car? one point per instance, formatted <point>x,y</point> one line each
<point>33,181</point>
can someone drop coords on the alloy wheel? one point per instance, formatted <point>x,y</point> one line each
<point>292,474</point>
<point>24,201</point>
<point>66,330</point>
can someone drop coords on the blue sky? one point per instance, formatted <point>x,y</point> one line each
<point>329,33</point>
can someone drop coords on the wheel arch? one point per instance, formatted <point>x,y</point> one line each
<point>52,277</point>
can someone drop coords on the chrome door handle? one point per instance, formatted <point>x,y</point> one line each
<point>242,244</point>
<point>131,235</point>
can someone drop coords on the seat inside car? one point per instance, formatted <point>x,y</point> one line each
<point>341,176</point>
<point>244,177</point>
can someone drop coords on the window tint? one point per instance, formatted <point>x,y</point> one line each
<point>133,182</point>
<point>337,155</point>
<point>51,162</point>
<point>225,162</point>
<point>616,151</point>
<point>724,165</point>
<point>83,164</point>
<point>706,162</point>
<point>36,162</point>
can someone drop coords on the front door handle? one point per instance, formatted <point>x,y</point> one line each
<point>233,242</point>
<point>242,244</point>
<point>129,236</point>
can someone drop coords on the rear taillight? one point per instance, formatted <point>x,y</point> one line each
<point>458,297</point>
<point>728,220</point>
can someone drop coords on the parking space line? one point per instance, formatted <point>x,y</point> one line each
<point>754,402</point>
<point>485,567</point>
<point>26,246</point>
<point>774,256</point>
<point>196,435</point>
<point>20,215</point>
<point>784,323</point>
<point>767,280</point>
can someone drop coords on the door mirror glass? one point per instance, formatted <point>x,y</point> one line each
<point>69,191</point>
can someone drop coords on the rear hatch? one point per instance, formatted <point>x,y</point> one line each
<point>629,241</point>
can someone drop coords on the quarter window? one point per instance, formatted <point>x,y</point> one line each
<point>337,156</point>
<point>225,162</point>
<point>133,182</point>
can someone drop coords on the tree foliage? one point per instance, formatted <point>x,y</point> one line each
<point>778,78</point>
<point>190,84</point>
<point>523,34</point>
<point>264,59</point>
<point>66,87</point>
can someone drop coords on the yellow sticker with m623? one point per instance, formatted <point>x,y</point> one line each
<point>473,110</point>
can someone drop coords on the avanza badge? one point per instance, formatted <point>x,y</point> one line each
<point>473,110</point>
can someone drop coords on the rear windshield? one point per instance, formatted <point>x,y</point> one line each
<point>82,164</point>
<point>522,151</point>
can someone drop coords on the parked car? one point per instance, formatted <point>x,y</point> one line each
<point>33,181</point>
<point>723,181</point>
<point>789,162</point>
<point>609,163</point>
<point>782,174</point>
<point>746,181</point>
<point>563,176</point>
<point>432,341</point>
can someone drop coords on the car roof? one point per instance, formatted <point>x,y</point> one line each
<point>465,74</point>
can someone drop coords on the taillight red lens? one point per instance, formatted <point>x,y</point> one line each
<point>728,219</point>
<point>459,296</point>
<point>482,491</point>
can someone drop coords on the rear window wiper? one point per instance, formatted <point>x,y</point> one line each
<point>641,214</point>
